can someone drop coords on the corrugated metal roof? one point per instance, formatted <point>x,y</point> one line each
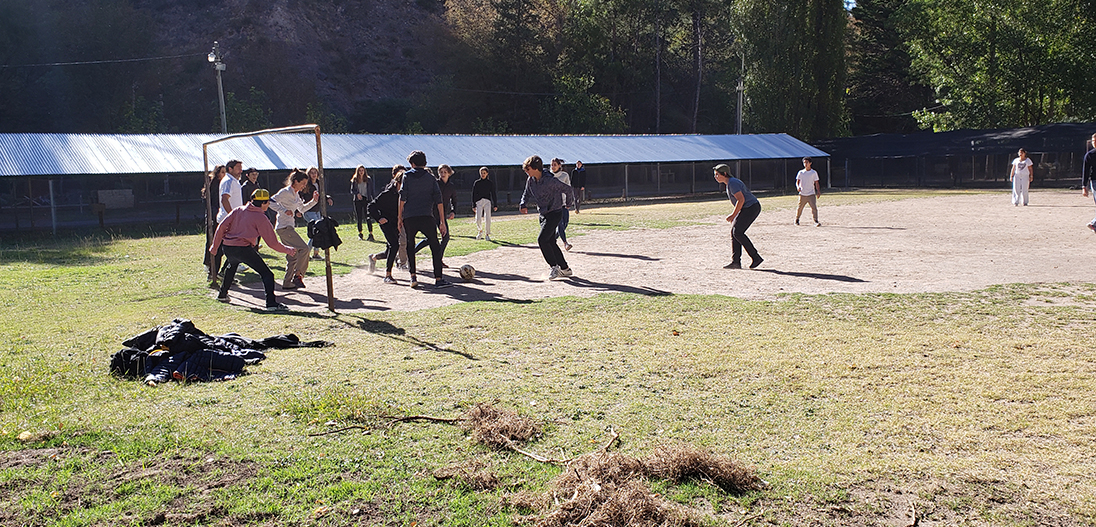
<point>74,154</point>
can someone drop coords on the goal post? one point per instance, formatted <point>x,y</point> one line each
<point>211,225</point>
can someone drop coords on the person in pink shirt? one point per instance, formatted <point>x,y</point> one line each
<point>239,233</point>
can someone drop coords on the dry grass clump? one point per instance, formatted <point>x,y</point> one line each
<point>497,428</point>
<point>608,490</point>
<point>680,463</point>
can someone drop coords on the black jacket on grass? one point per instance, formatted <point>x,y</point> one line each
<point>180,351</point>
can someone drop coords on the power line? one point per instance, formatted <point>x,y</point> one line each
<point>116,61</point>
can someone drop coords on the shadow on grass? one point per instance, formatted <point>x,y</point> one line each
<point>380,327</point>
<point>816,276</point>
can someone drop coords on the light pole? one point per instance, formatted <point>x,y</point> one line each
<point>741,89</point>
<point>215,58</point>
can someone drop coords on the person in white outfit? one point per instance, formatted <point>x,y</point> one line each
<point>806,181</point>
<point>1021,176</point>
<point>484,201</point>
<point>287,203</point>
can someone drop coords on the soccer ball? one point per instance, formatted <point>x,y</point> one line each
<point>467,272</point>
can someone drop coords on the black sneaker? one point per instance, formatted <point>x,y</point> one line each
<point>222,299</point>
<point>276,308</point>
<point>755,263</point>
<point>441,283</point>
<point>371,238</point>
<point>733,265</point>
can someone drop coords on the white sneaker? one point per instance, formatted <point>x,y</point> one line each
<point>566,273</point>
<point>554,274</point>
<point>479,236</point>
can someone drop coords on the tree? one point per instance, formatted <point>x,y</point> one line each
<point>795,66</point>
<point>246,114</point>
<point>1004,64</point>
<point>883,90</point>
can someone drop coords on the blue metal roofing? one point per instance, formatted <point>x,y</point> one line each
<point>73,154</point>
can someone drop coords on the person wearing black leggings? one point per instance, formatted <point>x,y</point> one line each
<point>385,209</point>
<point>746,210</point>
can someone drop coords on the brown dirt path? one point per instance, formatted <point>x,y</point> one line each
<point>946,243</point>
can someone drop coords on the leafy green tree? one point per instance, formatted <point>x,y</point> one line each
<point>143,117</point>
<point>795,66</point>
<point>1002,64</point>
<point>883,91</point>
<point>329,121</point>
<point>574,110</point>
<point>246,114</point>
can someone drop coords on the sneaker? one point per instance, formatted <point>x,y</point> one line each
<point>755,263</point>
<point>317,256</point>
<point>298,281</point>
<point>817,224</point>
<point>554,273</point>
<point>371,238</point>
<point>444,265</point>
<point>1092,226</point>
<point>276,307</point>
<point>733,265</point>
<point>372,264</point>
<point>441,283</point>
<point>389,280</point>
<point>566,273</point>
<point>797,221</point>
<point>488,237</point>
<point>567,247</point>
<point>290,285</point>
<point>222,299</point>
<point>479,236</point>
<point>360,237</point>
<point>242,268</point>
<point>414,282</point>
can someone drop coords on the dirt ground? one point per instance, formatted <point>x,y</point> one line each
<point>945,243</point>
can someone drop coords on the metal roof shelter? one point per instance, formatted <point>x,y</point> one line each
<point>79,154</point>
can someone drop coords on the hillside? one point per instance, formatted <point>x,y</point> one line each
<point>348,56</point>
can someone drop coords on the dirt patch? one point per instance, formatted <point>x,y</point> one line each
<point>201,475</point>
<point>946,243</point>
<point>922,502</point>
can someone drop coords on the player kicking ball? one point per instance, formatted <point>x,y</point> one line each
<point>549,194</point>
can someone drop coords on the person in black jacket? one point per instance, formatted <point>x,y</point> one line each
<point>449,203</point>
<point>484,201</point>
<point>578,182</point>
<point>385,209</point>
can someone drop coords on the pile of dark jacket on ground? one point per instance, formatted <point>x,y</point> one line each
<point>183,352</point>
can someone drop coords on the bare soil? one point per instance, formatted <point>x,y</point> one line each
<point>938,244</point>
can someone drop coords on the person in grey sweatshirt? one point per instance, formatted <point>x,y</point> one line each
<point>551,195</point>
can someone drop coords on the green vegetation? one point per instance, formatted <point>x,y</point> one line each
<point>977,407</point>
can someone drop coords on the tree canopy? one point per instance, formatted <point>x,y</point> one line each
<point>810,68</point>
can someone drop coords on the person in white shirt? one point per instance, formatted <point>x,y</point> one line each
<point>287,203</point>
<point>231,190</point>
<point>1021,177</point>
<point>806,181</point>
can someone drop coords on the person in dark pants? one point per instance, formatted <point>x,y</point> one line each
<point>385,208</point>
<point>746,210</point>
<point>449,206</point>
<point>420,201</point>
<point>578,182</point>
<point>551,196</point>
<point>239,233</point>
<point>362,191</point>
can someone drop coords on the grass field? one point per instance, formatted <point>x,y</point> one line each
<point>954,408</point>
